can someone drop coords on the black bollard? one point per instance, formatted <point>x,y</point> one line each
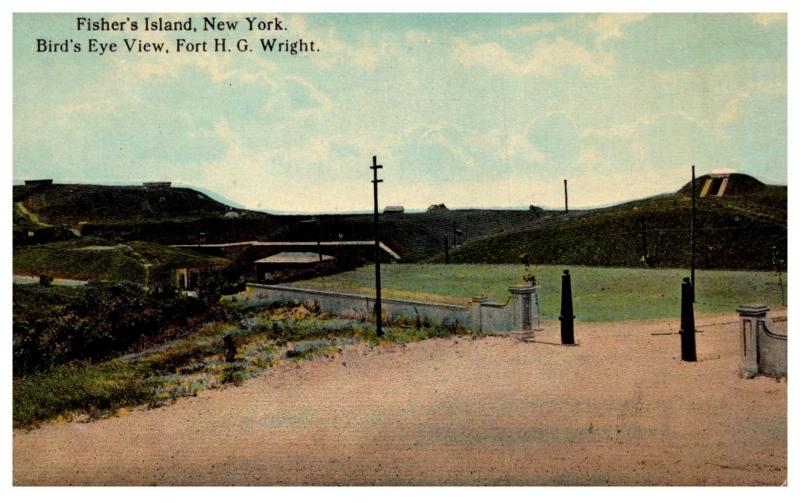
<point>688,346</point>
<point>567,316</point>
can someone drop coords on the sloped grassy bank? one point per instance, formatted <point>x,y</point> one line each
<point>239,342</point>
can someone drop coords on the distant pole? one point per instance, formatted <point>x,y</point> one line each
<point>688,345</point>
<point>446,251</point>
<point>645,254</point>
<point>567,314</point>
<point>694,197</point>
<point>319,242</point>
<point>375,181</point>
<point>566,200</point>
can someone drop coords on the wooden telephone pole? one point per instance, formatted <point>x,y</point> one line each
<point>375,181</point>
<point>694,197</point>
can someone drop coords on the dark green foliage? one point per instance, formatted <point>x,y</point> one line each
<point>80,260</point>
<point>71,204</point>
<point>93,258</point>
<point>736,232</point>
<point>83,388</point>
<point>58,324</point>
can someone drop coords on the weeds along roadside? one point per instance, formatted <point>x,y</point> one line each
<point>245,342</point>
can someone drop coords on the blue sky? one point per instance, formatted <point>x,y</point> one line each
<point>469,110</point>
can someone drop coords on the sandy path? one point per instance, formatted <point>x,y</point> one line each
<point>620,408</point>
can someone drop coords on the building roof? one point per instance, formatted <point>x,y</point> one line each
<point>294,258</point>
<point>382,245</point>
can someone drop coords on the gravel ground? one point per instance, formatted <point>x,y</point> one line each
<point>620,409</point>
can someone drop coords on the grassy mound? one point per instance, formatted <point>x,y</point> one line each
<point>737,232</point>
<point>95,259</point>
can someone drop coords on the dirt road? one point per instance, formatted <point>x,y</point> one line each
<point>620,408</point>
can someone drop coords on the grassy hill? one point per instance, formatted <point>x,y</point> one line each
<point>739,231</point>
<point>72,204</point>
<point>746,231</point>
<point>157,214</point>
<point>88,259</point>
<point>418,236</point>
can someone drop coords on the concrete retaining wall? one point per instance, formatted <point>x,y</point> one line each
<point>519,314</point>
<point>763,351</point>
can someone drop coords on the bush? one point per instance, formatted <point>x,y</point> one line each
<point>92,323</point>
<point>93,390</point>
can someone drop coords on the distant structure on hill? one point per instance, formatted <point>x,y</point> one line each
<point>269,268</point>
<point>438,207</point>
<point>394,209</point>
<point>39,183</point>
<point>723,184</point>
<point>157,185</point>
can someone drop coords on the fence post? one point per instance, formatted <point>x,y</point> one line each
<point>567,316</point>
<point>688,346</point>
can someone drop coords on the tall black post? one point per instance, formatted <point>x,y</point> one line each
<point>694,197</point>
<point>378,312</point>
<point>566,200</point>
<point>688,346</point>
<point>567,315</point>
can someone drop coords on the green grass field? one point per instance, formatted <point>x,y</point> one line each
<point>599,294</point>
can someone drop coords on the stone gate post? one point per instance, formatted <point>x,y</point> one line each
<point>525,301</point>
<point>751,316</point>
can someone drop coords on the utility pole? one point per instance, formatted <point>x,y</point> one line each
<point>375,181</point>
<point>566,200</point>
<point>643,232</point>
<point>694,197</point>
<point>314,220</point>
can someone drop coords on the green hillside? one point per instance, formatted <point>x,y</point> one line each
<point>732,232</point>
<point>744,230</point>
<point>73,204</point>
<point>93,259</point>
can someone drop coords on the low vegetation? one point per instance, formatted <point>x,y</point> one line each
<point>599,293</point>
<point>93,258</point>
<point>115,356</point>
<point>736,232</point>
<point>58,325</point>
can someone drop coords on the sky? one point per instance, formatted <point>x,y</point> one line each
<point>469,110</point>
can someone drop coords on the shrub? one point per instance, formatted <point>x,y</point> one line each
<point>92,323</point>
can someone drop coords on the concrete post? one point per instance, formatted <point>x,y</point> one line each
<point>525,303</point>
<point>751,315</point>
<point>475,311</point>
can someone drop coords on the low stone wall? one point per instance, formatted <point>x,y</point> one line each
<point>763,351</point>
<point>519,314</point>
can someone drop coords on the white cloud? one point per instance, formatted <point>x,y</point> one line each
<point>535,28</point>
<point>608,26</point>
<point>629,130</point>
<point>547,58</point>
<point>730,112</point>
